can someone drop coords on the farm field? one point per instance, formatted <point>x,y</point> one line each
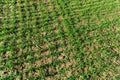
<point>59,39</point>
